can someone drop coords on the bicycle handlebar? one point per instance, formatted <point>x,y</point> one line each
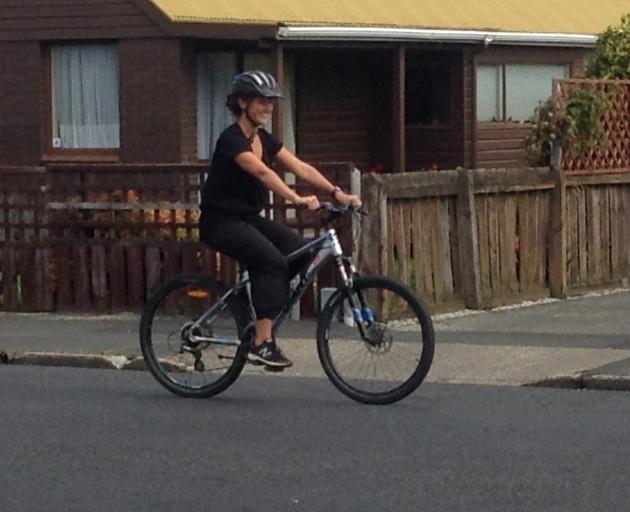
<point>330,211</point>
<point>341,209</point>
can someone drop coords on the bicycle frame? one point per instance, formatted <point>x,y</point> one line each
<point>323,249</point>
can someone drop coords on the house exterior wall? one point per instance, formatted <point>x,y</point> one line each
<point>470,110</point>
<point>344,96</point>
<point>74,19</point>
<point>501,145</point>
<point>157,89</point>
<point>157,101</point>
<point>344,110</point>
<point>21,102</point>
<point>344,105</point>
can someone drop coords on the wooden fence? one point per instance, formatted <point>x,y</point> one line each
<point>481,238</point>
<point>597,226</point>
<point>102,238</point>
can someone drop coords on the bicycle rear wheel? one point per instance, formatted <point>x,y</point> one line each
<point>394,355</point>
<point>209,362</point>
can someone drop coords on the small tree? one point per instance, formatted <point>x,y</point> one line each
<point>612,53</point>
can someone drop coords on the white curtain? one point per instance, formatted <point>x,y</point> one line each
<point>489,93</point>
<point>85,82</point>
<point>214,80</point>
<point>289,102</point>
<point>527,85</point>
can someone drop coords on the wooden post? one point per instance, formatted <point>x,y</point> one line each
<point>399,157</point>
<point>373,231</point>
<point>278,111</point>
<point>467,240</point>
<point>557,229</point>
<point>277,122</point>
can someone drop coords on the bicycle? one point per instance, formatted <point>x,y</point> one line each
<point>195,332</point>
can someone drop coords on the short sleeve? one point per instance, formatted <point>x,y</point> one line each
<point>232,143</point>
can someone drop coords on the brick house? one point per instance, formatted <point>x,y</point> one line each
<point>392,85</point>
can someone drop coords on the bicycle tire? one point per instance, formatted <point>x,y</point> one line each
<point>332,347</point>
<point>174,306</point>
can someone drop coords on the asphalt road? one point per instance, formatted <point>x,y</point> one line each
<point>97,440</point>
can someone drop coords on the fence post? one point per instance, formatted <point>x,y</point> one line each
<point>372,257</point>
<point>557,229</point>
<point>467,240</point>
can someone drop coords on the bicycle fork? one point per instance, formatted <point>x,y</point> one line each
<point>362,314</point>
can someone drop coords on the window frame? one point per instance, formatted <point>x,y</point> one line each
<point>54,154</point>
<point>502,65</point>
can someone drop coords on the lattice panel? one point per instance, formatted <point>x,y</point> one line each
<point>22,207</point>
<point>615,156</point>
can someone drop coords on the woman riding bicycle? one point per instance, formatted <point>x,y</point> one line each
<point>234,195</point>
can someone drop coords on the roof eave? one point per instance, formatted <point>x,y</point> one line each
<point>394,34</point>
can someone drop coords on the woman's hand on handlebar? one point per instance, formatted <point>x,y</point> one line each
<point>310,202</point>
<point>343,198</point>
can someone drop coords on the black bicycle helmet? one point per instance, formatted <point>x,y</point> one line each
<point>255,84</point>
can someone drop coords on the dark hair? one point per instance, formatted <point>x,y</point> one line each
<point>232,104</point>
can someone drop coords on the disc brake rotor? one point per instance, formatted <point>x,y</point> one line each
<point>378,339</point>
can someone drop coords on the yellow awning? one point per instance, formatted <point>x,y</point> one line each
<point>550,16</point>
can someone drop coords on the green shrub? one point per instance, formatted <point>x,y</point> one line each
<point>576,129</point>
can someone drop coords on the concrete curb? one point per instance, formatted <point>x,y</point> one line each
<point>95,361</point>
<point>579,380</point>
<point>585,380</point>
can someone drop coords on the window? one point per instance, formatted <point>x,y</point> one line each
<point>85,96</point>
<point>214,80</point>
<point>427,94</point>
<point>511,92</point>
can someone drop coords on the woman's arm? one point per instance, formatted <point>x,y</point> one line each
<point>308,173</point>
<point>256,167</point>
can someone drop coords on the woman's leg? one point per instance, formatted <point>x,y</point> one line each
<point>284,238</point>
<point>268,267</point>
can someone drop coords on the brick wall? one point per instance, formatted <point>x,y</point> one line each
<point>148,106</point>
<point>188,109</point>
<point>21,96</point>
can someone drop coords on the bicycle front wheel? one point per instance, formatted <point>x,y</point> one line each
<point>191,359</point>
<point>391,358</point>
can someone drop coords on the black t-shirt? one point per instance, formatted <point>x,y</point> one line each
<point>230,188</point>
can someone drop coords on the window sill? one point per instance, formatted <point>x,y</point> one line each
<point>436,127</point>
<point>498,124</point>
<point>82,156</point>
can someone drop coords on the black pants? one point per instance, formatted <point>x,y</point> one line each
<point>262,246</point>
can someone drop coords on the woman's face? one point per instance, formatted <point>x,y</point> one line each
<point>258,110</point>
